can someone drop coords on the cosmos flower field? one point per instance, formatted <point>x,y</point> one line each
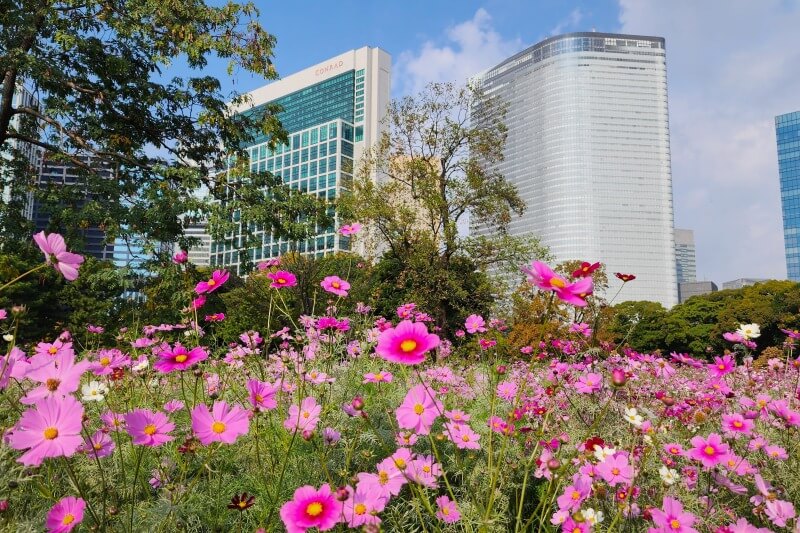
<point>381,424</point>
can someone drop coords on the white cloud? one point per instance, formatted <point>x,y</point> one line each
<point>571,21</point>
<point>469,48</point>
<point>732,66</point>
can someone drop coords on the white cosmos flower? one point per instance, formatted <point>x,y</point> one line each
<point>601,452</point>
<point>141,365</point>
<point>8,337</point>
<point>94,391</point>
<point>633,416</point>
<point>749,331</point>
<point>668,475</point>
<point>592,517</point>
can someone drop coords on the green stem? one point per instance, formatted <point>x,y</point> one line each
<point>31,271</point>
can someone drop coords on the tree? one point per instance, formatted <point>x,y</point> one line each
<point>99,69</point>
<point>435,163</point>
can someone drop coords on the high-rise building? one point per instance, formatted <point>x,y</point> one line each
<point>10,186</point>
<point>742,282</point>
<point>688,289</point>
<point>588,150</point>
<point>332,112</point>
<point>55,176</point>
<point>200,253</point>
<point>787,131</point>
<point>685,260</point>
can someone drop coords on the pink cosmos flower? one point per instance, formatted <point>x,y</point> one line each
<point>672,518</point>
<point>179,358</point>
<point>304,417</point>
<point>180,257</point>
<point>46,352</point>
<point>350,229</point>
<point>98,445</point>
<point>779,511</point>
<point>335,285</point>
<point>743,526</point>
<point>507,390</point>
<point>615,470</point>
<point>475,324</point>
<point>776,452</point>
<point>362,508</point>
<point>55,253</point>
<point>269,263</point>
<point>173,406</point>
<point>424,470</point>
<point>223,423</point>
<point>148,428</point>
<point>575,494</point>
<point>419,410</point>
<point>52,428</point>
<point>65,515</point>
<point>589,383</point>
<point>457,416</point>
<point>281,279</point>
<point>406,343</point>
<point>3,314</point>
<point>447,511</point>
<point>462,436</point>
<point>710,452</point>
<point>13,365</point>
<point>386,483</point>
<point>733,337</point>
<point>217,280</point>
<point>58,379</point>
<point>198,302</point>
<point>485,344</point>
<point>736,424</point>
<point>311,508</point>
<point>722,366</point>
<point>106,361</point>
<point>542,276</point>
<point>262,394</point>
<point>113,421</point>
<point>378,377</point>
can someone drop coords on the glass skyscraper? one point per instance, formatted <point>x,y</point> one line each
<point>685,257</point>
<point>588,150</point>
<point>332,112</point>
<point>787,131</point>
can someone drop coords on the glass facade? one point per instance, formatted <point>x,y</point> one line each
<point>588,150</point>
<point>787,131</point>
<point>685,261</point>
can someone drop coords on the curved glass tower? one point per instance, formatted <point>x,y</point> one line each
<point>588,150</point>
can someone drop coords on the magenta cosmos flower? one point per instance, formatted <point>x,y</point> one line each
<point>52,428</point>
<point>311,508</point>
<point>218,279</point>
<point>65,515</point>
<point>223,423</point>
<point>406,343</point>
<point>179,358</point>
<point>181,257</point>
<point>673,518</point>
<point>350,229</point>
<point>147,428</point>
<point>335,285</point>
<point>710,452</point>
<point>262,394</point>
<point>419,410</point>
<point>543,277</point>
<point>281,279</point>
<point>55,253</point>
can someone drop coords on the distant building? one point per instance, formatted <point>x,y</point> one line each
<point>55,176</point>
<point>742,282</point>
<point>695,288</point>
<point>589,153</point>
<point>10,188</point>
<point>685,260</point>
<point>332,112</point>
<point>787,133</point>
<point>199,254</point>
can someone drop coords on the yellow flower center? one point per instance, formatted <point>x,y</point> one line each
<point>379,377</point>
<point>242,504</point>
<point>314,509</point>
<point>50,433</point>
<point>721,366</point>
<point>709,450</point>
<point>181,358</point>
<point>615,471</point>
<point>465,438</point>
<point>52,350</point>
<point>335,285</point>
<point>383,477</point>
<point>259,398</point>
<point>52,384</point>
<point>419,409</point>
<point>68,519</point>
<point>576,495</point>
<point>426,469</point>
<point>306,414</point>
<point>150,429</point>
<point>211,283</point>
<point>674,450</point>
<point>737,424</point>
<point>105,361</point>
<point>97,446</point>
<point>408,345</point>
<point>400,463</point>
<point>218,427</point>
<point>445,511</point>
<point>281,281</point>
<point>674,524</point>
<point>557,282</point>
<point>360,509</point>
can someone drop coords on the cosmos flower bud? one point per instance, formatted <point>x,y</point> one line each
<point>358,403</point>
<point>502,369</point>
<point>553,464</point>
<point>342,494</point>
<point>669,401</point>
<point>3,506</point>
<point>307,434</point>
<point>618,377</point>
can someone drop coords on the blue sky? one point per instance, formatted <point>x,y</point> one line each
<point>732,66</point>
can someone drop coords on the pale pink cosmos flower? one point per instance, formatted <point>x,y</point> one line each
<point>447,511</point>
<point>57,379</point>
<point>335,285</point>
<point>743,526</point>
<point>475,324</point>
<point>673,518</point>
<point>362,508</point>
<point>98,445</point>
<point>46,352</point>
<point>779,511</point>
<point>589,383</point>
<point>387,482</point>
<point>575,494</point>
<point>222,423</point>
<point>776,452</point>
<point>615,470</point>
<point>148,428</point>
<point>424,470</point>
<point>350,229</point>
<point>113,421</point>
<point>378,377</point>
<point>304,417</point>
<point>462,436</point>
<point>65,515</point>
<point>55,253</point>
<point>173,406</point>
<point>419,410</point>
<point>52,428</point>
